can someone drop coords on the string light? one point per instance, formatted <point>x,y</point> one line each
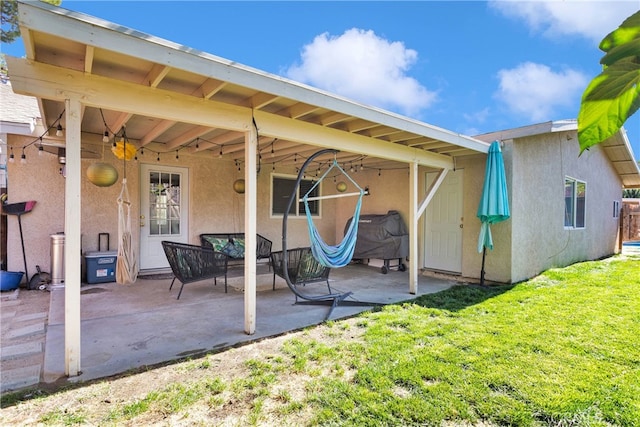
<point>158,159</point>
<point>177,156</point>
<point>59,130</point>
<point>23,157</point>
<point>105,137</point>
<point>12,158</point>
<point>40,148</point>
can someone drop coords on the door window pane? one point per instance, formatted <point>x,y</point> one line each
<point>164,203</point>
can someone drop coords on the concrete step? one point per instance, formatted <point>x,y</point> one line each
<point>15,379</point>
<point>21,350</point>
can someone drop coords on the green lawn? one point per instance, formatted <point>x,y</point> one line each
<point>562,349</point>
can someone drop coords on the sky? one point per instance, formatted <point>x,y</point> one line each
<point>470,67</point>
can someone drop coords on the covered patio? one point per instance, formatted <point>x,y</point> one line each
<point>129,327</point>
<point>96,79</point>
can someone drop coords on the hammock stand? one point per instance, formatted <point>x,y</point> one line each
<point>331,298</point>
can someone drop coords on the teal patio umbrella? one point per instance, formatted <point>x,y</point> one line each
<point>494,202</point>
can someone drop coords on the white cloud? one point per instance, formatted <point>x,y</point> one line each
<point>536,92</point>
<point>362,66</point>
<point>592,19</point>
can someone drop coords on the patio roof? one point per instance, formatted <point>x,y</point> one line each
<point>172,98</point>
<point>617,148</point>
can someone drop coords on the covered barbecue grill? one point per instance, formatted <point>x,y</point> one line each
<point>382,237</point>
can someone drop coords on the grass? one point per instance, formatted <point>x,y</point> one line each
<point>559,350</point>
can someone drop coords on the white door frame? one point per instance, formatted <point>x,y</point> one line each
<point>151,253</point>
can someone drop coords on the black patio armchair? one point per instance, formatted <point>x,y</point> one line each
<point>191,263</point>
<point>303,268</point>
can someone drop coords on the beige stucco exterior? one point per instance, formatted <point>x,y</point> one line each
<point>539,165</point>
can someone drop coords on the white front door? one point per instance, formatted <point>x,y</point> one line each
<point>164,212</point>
<point>443,224</point>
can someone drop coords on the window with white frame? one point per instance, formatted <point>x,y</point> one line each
<point>575,193</point>
<point>281,189</point>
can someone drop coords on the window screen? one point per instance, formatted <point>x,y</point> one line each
<point>575,196</point>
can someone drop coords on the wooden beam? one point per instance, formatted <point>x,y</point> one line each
<point>159,129</point>
<point>250,229</point>
<point>413,228</point>
<point>88,59</point>
<point>47,81</point>
<point>72,234</point>
<point>307,133</point>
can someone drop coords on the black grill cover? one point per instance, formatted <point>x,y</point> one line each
<point>381,236</point>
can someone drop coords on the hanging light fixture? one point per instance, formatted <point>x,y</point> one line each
<point>238,186</point>
<point>59,130</point>
<point>102,174</point>
<point>23,157</point>
<point>12,158</point>
<point>105,137</point>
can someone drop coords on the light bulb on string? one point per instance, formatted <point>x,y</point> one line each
<point>105,137</point>
<point>59,130</point>
<point>12,158</point>
<point>23,157</point>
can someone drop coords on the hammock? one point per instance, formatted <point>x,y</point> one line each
<point>333,298</point>
<point>340,254</point>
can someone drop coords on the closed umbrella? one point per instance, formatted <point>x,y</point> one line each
<point>494,202</point>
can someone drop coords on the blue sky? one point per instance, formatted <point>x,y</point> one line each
<point>467,66</point>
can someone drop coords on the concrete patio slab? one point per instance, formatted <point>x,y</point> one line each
<point>126,327</point>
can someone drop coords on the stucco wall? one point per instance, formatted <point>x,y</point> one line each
<point>540,240</point>
<point>214,206</point>
<point>498,260</point>
<point>389,190</point>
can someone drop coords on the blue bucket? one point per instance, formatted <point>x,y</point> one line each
<point>10,280</point>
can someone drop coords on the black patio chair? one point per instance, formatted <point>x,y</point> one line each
<point>191,263</point>
<point>303,268</point>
